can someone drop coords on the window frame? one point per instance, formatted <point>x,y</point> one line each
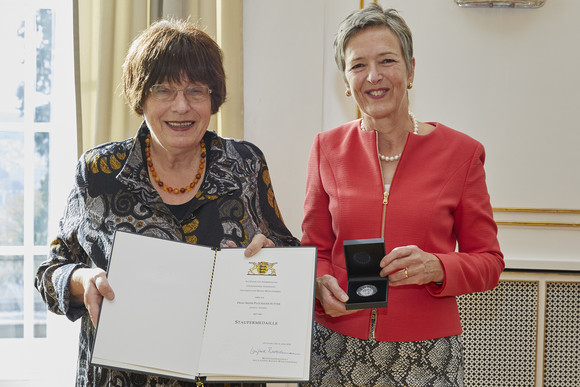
<point>50,360</point>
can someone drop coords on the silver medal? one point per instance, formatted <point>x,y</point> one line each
<point>366,290</point>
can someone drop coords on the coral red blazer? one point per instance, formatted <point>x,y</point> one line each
<point>438,201</point>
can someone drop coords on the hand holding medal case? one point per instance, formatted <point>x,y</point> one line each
<point>366,288</point>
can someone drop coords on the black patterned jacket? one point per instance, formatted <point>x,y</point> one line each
<point>113,191</point>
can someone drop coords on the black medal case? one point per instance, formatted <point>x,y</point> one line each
<point>366,288</point>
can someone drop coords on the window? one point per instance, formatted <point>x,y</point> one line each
<point>37,158</point>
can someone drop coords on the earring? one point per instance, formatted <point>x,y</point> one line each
<point>347,93</point>
<point>410,85</point>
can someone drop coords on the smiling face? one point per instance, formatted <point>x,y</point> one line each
<point>376,73</point>
<point>178,125</point>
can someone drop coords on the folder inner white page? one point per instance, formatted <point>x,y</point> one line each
<point>154,281</point>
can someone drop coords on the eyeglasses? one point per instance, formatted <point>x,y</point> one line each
<point>165,93</point>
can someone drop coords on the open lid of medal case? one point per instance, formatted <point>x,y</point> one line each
<point>366,288</point>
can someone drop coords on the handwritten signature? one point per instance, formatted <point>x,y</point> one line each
<point>271,351</point>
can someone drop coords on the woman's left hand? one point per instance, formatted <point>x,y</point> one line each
<point>258,241</point>
<point>408,265</point>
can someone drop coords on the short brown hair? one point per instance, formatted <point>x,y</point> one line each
<point>173,50</point>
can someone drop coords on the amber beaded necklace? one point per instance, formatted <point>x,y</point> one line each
<point>158,179</point>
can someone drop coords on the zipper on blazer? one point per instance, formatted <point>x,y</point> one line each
<point>385,202</point>
<point>374,311</point>
<point>383,218</point>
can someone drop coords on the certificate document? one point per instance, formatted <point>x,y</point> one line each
<point>193,312</point>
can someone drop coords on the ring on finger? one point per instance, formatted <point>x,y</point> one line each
<point>406,273</point>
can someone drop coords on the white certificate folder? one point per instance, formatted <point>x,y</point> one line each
<point>197,313</point>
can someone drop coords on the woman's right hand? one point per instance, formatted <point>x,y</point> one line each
<point>88,287</point>
<point>331,296</point>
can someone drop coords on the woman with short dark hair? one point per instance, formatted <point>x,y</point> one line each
<point>173,180</point>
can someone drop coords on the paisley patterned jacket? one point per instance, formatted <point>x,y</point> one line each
<point>113,192</point>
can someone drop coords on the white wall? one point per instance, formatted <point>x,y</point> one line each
<point>507,77</point>
<point>283,90</point>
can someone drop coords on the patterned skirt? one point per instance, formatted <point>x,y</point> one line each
<point>344,361</point>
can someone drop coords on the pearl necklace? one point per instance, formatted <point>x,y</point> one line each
<point>158,180</point>
<point>396,157</point>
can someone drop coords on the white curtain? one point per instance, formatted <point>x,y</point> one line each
<point>106,30</point>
